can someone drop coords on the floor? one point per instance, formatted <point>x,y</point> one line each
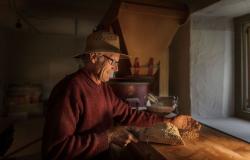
<point>27,139</point>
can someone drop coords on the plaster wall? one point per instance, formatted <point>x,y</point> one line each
<point>211,64</point>
<point>149,35</point>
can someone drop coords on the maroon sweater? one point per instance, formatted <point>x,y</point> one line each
<point>79,114</point>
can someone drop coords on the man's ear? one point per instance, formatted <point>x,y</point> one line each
<point>93,58</point>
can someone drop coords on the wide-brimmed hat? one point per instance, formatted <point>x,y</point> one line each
<point>102,41</point>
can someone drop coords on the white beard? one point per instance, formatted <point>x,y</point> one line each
<point>105,74</point>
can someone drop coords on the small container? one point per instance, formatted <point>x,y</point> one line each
<point>164,105</point>
<point>136,66</point>
<point>151,66</point>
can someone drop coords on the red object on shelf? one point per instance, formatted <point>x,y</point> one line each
<point>136,66</point>
<point>151,66</point>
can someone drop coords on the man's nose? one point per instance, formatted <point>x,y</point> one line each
<point>115,68</point>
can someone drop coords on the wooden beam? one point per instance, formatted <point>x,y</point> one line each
<point>196,5</point>
<point>173,4</point>
<point>110,16</point>
<point>124,64</point>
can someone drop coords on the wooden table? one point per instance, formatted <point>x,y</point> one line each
<point>212,145</point>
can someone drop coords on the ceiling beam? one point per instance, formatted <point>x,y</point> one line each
<point>171,4</point>
<point>196,5</point>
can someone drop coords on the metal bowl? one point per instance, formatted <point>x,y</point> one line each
<point>160,109</point>
<point>164,105</point>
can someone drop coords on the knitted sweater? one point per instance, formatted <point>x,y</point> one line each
<point>79,114</point>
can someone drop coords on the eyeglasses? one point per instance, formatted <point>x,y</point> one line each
<point>112,61</point>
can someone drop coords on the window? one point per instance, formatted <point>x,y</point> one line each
<point>242,66</point>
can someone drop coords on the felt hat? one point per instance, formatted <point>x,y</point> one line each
<point>102,41</point>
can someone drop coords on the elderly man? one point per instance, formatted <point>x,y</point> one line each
<point>82,108</point>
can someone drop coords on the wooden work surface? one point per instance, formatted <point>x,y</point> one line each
<point>212,145</point>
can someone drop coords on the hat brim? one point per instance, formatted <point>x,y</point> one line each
<point>122,55</point>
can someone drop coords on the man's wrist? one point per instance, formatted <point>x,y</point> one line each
<point>109,135</point>
<point>169,120</point>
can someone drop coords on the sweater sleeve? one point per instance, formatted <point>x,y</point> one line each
<point>61,141</point>
<point>128,116</point>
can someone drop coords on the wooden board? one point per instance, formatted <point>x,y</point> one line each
<point>144,151</point>
<point>212,145</point>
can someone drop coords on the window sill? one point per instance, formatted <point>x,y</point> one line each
<point>236,127</point>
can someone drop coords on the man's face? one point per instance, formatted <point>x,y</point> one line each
<point>107,64</point>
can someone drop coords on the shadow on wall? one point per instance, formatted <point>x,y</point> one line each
<point>1,96</point>
<point>41,59</point>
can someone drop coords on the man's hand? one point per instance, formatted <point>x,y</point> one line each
<point>185,123</point>
<point>120,136</point>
